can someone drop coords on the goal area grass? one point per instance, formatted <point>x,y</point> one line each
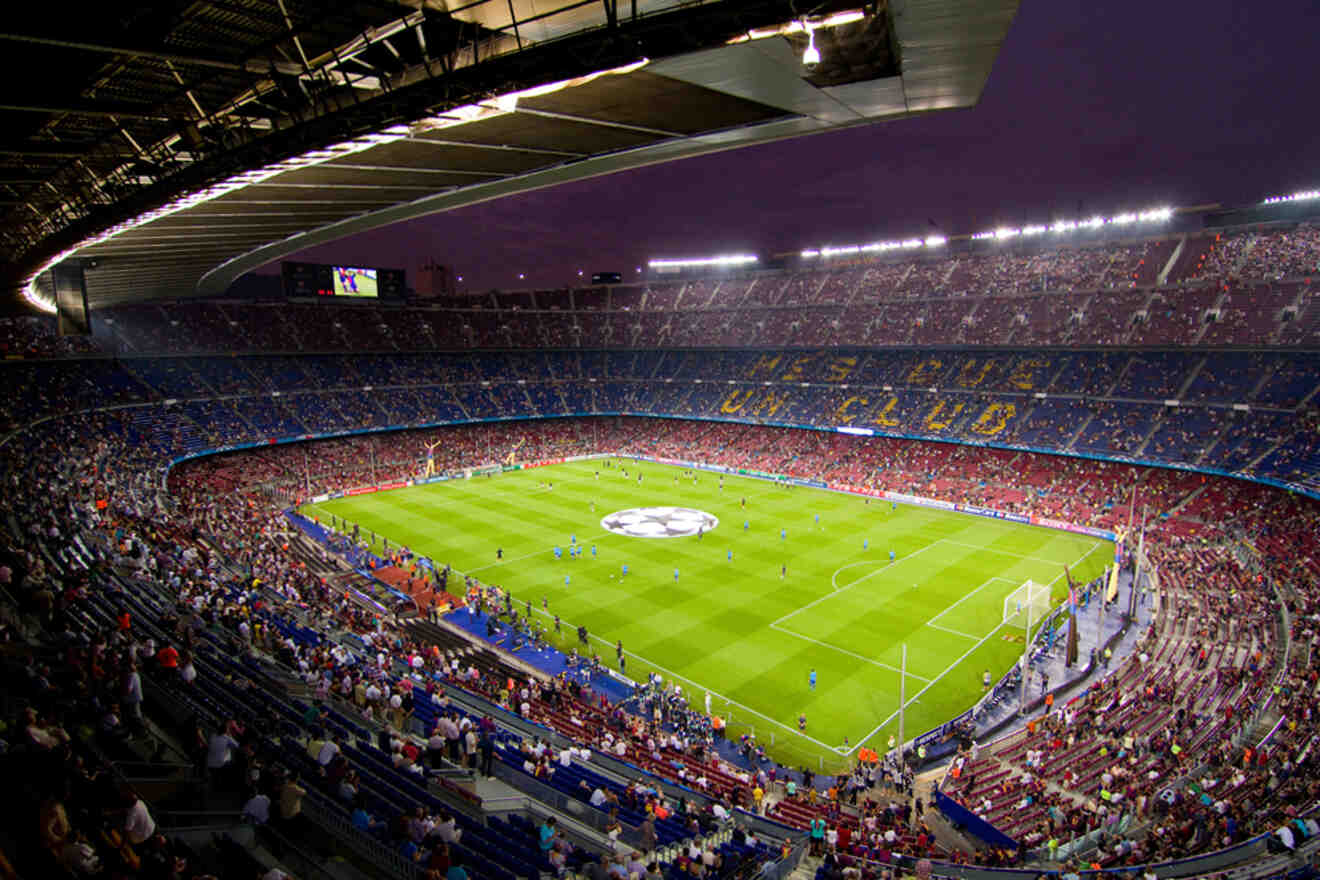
<point>790,580</point>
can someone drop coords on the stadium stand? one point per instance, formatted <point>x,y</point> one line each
<point>176,586</point>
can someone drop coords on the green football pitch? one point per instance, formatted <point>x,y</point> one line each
<point>797,594</point>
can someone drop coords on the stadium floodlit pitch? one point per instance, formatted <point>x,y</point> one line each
<point>734,627</point>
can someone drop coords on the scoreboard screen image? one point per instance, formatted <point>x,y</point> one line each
<point>354,282</point>
<point>307,280</point>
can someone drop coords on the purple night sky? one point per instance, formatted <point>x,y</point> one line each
<point>1113,106</point>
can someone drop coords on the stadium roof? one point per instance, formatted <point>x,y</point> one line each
<point>172,151</point>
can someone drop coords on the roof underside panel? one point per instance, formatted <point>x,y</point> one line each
<point>139,103</point>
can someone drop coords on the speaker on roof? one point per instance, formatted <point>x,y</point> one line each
<point>391,282</point>
<point>70,285</point>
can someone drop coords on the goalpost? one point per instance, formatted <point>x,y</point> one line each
<point>1026,606</point>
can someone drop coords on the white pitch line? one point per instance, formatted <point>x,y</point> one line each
<point>951,631</point>
<point>954,664</point>
<point>528,556</point>
<point>846,587</point>
<point>932,682</point>
<point>864,659</point>
<point>931,622</point>
<point>1006,552</point>
<point>713,692</point>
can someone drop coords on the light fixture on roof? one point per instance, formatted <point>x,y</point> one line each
<point>1303,196</point>
<point>797,26</point>
<point>811,57</point>
<point>698,262</point>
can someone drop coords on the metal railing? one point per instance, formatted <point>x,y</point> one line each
<point>363,845</point>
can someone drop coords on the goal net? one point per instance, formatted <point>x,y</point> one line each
<point>1027,605</point>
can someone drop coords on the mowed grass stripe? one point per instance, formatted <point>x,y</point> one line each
<point>713,627</point>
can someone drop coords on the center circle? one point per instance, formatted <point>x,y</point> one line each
<point>659,522</point>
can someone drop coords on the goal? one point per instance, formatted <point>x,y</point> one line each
<point>1027,605</point>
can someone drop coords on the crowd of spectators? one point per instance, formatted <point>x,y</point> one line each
<point>994,294</point>
<point>1072,490</point>
<point>1105,402</point>
<point>227,499</point>
<point>88,468</point>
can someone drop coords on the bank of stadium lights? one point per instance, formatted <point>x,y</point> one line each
<point>1003,233</point>
<point>798,26</point>
<point>700,262</point>
<point>931,241</point>
<point>497,106</point>
<point>1303,196</point>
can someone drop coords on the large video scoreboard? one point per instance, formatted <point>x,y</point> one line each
<point>359,282</point>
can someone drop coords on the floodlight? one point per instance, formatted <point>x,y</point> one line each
<point>811,57</point>
<point>729,260</point>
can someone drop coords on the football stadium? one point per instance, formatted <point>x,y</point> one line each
<point>986,549</point>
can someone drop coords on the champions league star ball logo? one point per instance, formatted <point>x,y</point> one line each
<point>659,522</point>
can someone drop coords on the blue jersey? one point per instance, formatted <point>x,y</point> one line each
<point>593,549</point>
<point>891,555</point>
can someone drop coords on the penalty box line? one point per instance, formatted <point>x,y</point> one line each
<point>956,663</point>
<point>864,659</point>
<point>933,625</point>
<point>837,590</point>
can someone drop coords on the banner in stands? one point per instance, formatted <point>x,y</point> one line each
<point>993,514</point>
<point>619,676</point>
<point>982,511</point>
<point>919,500</point>
<point>1071,527</point>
